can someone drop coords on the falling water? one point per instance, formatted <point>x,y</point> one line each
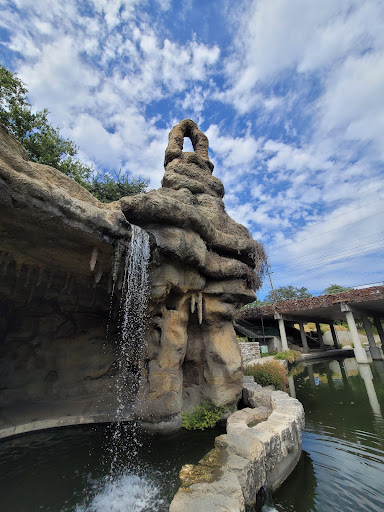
<point>133,318</point>
<point>127,485</point>
<point>131,343</point>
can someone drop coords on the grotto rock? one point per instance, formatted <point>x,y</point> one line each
<point>59,254</point>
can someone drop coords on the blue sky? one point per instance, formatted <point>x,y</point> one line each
<point>290,94</point>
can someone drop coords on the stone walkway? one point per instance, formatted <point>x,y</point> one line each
<point>27,417</point>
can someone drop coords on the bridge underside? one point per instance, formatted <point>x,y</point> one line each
<point>365,304</point>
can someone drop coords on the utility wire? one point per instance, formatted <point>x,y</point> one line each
<point>350,241</point>
<point>329,231</point>
<point>376,187</point>
<point>321,257</point>
<point>334,259</point>
<point>304,272</point>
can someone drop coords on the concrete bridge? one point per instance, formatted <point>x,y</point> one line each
<point>364,303</point>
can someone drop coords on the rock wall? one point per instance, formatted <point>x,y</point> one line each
<point>250,350</point>
<point>58,250</point>
<point>262,446</point>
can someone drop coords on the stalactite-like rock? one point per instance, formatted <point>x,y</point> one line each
<point>93,260</point>
<point>200,307</point>
<point>193,303</point>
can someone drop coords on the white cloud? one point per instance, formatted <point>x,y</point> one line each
<point>304,79</point>
<point>233,151</point>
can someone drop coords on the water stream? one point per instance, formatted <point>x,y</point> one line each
<point>128,484</point>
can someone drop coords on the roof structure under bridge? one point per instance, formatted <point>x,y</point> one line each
<point>363,303</point>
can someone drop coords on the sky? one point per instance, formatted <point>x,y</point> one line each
<point>289,92</point>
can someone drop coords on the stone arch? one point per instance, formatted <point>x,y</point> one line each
<point>187,128</point>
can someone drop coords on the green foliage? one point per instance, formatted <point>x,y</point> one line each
<point>272,372</point>
<point>45,145</point>
<point>335,288</point>
<point>287,293</point>
<point>290,356</point>
<point>108,188</point>
<point>267,354</point>
<point>204,416</point>
<point>256,303</point>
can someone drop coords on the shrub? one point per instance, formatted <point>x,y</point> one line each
<point>271,372</point>
<point>290,356</point>
<point>204,416</point>
<point>267,354</point>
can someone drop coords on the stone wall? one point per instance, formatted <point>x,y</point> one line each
<point>262,445</point>
<point>249,351</point>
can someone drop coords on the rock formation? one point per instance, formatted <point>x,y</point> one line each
<point>58,246</point>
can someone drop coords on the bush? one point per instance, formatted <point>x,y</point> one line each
<point>204,416</point>
<point>267,354</point>
<point>271,372</point>
<point>290,356</point>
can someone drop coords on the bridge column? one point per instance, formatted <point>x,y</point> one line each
<point>283,334</point>
<point>360,355</point>
<point>380,331</point>
<point>303,337</point>
<point>292,389</point>
<point>334,335</point>
<point>320,336</point>
<point>373,348</point>
<point>366,374</point>
<point>311,376</point>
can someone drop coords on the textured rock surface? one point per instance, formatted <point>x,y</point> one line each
<point>57,249</point>
<point>262,444</point>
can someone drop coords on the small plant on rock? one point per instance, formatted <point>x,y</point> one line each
<point>204,416</point>
<point>271,372</point>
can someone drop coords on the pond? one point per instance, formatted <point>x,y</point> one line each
<point>342,464</point>
<point>341,467</point>
<point>66,470</point>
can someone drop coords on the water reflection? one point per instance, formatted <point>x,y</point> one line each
<point>343,442</point>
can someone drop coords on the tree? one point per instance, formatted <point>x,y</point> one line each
<point>335,288</point>
<point>45,145</point>
<point>287,293</point>
<point>255,304</point>
<point>107,188</point>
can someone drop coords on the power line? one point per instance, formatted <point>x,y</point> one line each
<point>350,241</point>
<point>378,185</point>
<point>329,231</point>
<point>328,263</point>
<point>329,254</point>
<point>335,259</point>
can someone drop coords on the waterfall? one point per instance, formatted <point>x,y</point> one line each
<point>127,487</point>
<point>133,317</point>
<point>130,346</point>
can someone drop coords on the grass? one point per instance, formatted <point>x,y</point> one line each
<point>272,372</point>
<point>271,353</point>
<point>204,416</point>
<point>290,356</point>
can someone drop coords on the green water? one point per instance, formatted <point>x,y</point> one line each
<point>66,470</point>
<point>342,465</point>
<point>341,468</point>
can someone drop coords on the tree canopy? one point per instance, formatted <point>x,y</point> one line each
<point>287,293</point>
<point>335,288</point>
<point>282,293</point>
<point>45,144</point>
